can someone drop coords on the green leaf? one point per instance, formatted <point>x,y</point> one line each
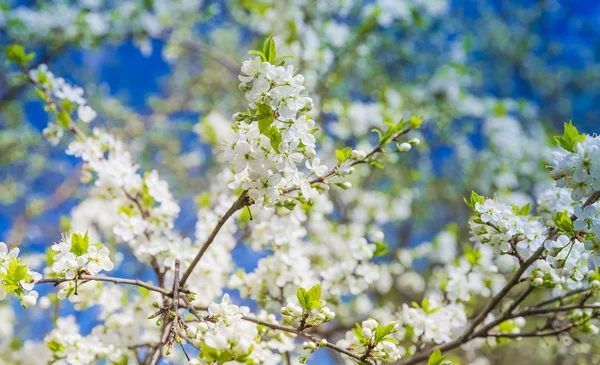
<point>499,109</point>
<point>50,255</point>
<point>265,117</point>
<point>275,138</point>
<point>79,244</point>
<point>415,122</point>
<point>303,298</point>
<point>376,164</point>
<point>467,43</point>
<point>435,358</point>
<point>64,119</point>
<point>378,132</point>
<point>343,154</point>
<point>315,292</point>
<point>564,223</point>
<point>381,249</point>
<point>570,137</point>
<point>314,296</point>
<point>475,198</point>
<point>417,18</point>
<point>41,94</point>
<point>55,346</point>
<point>525,210</point>
<point>203,200</point>
<point>208,353</point>
<point>382,331</point>
<point>225,357</point>
<point>281,60</point>
<point>473,256</point>
<point>259,53</point>
<point>270,50</point>
<point>468,203</point>
<point>16,272</point>
<point>16,53</point>
<point>390,339</point>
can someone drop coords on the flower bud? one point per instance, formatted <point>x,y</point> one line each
<point>370,324</point>
<point>203,327</point>
<point>309,345</point>
<point>297,311</point>
<point>358,155</point>
<point>310,152</point>
<point>378,236</point>
<point>238,117</point>
<point>404,147</point>
<point>29,300</point>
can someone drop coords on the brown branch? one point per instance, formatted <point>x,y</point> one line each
<point>86,278</point>
<point>241,202</point>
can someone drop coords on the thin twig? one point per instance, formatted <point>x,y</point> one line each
<point>85,278</point>
<point>237,205</point>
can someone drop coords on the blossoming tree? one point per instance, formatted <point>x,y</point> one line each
<point>328,282</point>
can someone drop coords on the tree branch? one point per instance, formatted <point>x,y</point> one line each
<point>241,202</point>
<point>86,278</point>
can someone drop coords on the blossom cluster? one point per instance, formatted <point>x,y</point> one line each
<point>16,277</point>
<point>374,340</point>
<point>311,318</point>
<point>347,267</point>
<point>509,229</point>
<point>70,347</point>
<point>269,142</point>
<point>74,255</point>
<point>433,321</point>
<point>146,208</point>
<point>227,336</point>
<point>577,164</point>
<point>55,90</point>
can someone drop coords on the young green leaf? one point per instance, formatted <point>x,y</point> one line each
<point>436,358</point>
<point>270,50</point>
<point>382,331</point>
<point>314,295</point>
<point>79,244</point>
<point>16,53</point>
<point>570,137</point>
<point>259,53</point>
<point>564,223</point>
<point>303,298</point>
